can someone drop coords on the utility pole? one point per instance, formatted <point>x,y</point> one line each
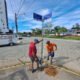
<point>16,23</point>
<point>13,29</point>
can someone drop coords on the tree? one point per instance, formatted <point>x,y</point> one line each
<point>63,29</point>
<point>47,31</point>
<point>10,31</point>
<point>19,33</point>
<point>33,31</point>
<point>57,30</point>
<point>47,28</point>
<point>38,31</point>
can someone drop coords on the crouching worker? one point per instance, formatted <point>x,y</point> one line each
<point>33,54</point>
<point>50,48</point>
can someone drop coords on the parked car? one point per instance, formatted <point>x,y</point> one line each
<point>28,35</point>
<point>8,40</point>
<point>19,37</point>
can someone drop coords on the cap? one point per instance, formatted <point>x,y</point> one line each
<point>36,40</point>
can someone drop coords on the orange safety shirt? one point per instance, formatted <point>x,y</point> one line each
<point>50,48</point>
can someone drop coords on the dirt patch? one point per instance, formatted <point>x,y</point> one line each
<point>51,71</point>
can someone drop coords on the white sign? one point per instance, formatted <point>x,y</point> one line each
<point>3,17</point>
<point>48,26</point>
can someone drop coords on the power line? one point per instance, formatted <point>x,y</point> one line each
<point>29,6</point>
<point>12,7</point>
<point>20,7</point>
<point>20,4</point>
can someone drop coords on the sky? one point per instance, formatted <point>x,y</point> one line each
<point>64,13</point>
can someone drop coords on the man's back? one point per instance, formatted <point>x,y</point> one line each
<point>32,49</point>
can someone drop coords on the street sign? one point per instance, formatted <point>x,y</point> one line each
<point>47,16</point>
<point>42,18</point>
<point>48,26</point>
<point>37,17</point>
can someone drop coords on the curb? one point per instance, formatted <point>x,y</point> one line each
<point>23,63</point>
<point>73,65</point>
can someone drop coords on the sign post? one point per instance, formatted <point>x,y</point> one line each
<point>42,41</point>
<point>42,19</point>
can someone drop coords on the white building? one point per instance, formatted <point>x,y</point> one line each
<point>71,32</point>
<point>3,17</point>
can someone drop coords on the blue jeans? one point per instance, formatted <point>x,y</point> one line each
<point>33,59</point>
<point>51,54</point>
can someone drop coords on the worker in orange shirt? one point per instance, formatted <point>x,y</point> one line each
<point>50,48</point>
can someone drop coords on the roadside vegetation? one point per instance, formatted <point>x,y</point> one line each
<point>64,37</point>
<point>56,32</point>
<point>61,37</point>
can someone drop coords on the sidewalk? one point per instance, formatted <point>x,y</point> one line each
<point>73,65</point>
<point>21,73</point>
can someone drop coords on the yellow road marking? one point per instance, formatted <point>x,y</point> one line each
<point>65,69</point>
<point>18,65</point>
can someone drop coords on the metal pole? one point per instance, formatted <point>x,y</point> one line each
<point>42,42</point>
<point>16,23</point>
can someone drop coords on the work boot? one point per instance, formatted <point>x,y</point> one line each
<point>48,58</point>
<point>39,69</point>
<point>33,70</point>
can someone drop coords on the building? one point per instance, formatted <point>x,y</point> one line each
<point>72,32</point>
<point>3,17</point>
<point>78,33</point>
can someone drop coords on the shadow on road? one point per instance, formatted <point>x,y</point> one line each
<point>60,60</point>
<point>78,59</point>
<point>19,75</point>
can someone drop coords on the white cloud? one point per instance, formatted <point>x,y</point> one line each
<point>34,22</point>
<point>68,18</point>
<point>37,26</point>
<point>27,25</point>
<point>56,6</point>
<point>25,31</point>
<point>25,19</point>
<point>11,16</point>
<point>43,12</point>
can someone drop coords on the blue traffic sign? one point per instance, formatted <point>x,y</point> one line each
<point>47,16</point>
<point>42,18</point>
<point>37,17</point>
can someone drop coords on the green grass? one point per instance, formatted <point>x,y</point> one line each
<point>37,36</point>
<point>60,37</point>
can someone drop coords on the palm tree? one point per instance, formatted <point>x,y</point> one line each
<point>63,29</point>
<point>33,31</point>
<point>38,31</point>
<point>57,30</point>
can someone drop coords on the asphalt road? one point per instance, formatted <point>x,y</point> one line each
<point>21,73</point>
<point>67,50</point>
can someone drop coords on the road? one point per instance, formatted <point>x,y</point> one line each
<point>67,50</point>
<point>21,73</point>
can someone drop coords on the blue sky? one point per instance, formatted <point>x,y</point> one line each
<point>65,13</point>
